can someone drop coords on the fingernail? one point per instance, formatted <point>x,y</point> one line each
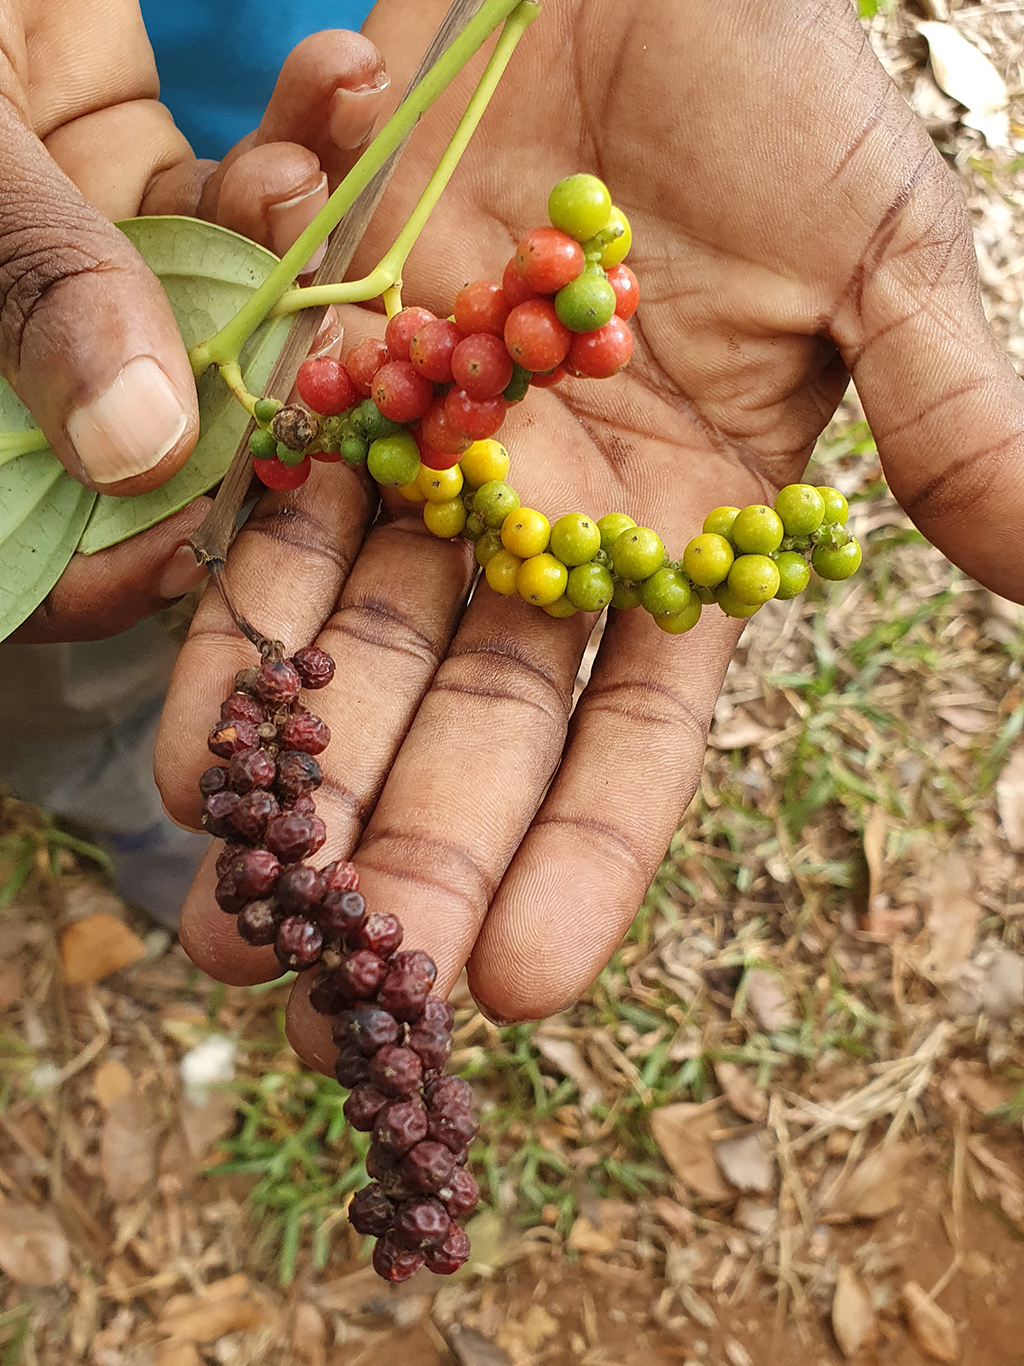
<point>292,216</point>
<point>181,574</point>
<point>354,112</point>
<point>131,427</point>
<point>330,335</point>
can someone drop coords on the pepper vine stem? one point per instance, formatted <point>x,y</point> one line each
<point>387,274</point>
<point>225,346</point>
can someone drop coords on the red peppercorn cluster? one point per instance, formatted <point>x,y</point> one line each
<point>561,308</point>
<point>393,1036</point>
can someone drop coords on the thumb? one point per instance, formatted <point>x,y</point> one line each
<point>944,403</point>
<point>87,338</point>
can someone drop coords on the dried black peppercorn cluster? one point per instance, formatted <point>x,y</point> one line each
<point>393,1036</point>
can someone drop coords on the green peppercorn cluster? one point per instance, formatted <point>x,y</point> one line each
<point>742,558</point>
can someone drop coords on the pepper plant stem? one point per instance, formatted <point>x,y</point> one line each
<point>387,275</point>
<point>225,346</point>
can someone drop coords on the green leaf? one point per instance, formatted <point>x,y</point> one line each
<point>45,515</point>
<point>208,273</point>
<point>44,512</point>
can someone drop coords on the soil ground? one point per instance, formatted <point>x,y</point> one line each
<point>784,1125</point>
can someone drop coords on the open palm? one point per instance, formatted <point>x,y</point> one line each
<point>793,226</point>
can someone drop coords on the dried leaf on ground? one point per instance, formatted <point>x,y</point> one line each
<point>745,1162</point>
<point>473,1349</point>
<point>309,1335</point>
<point>12,985</point>
<point>968,75</point>
<point>563,1054</point>
<point>1010,799</point>
<point>226,1306</point>
<point>177,1353</point>
<point>528,1334</point>
<point>873,1187</point>
<point>93,948</point>
<point>932,1328</point>
<point>952,918</point>
<point>853,1318</point>
<point>980,1088</point>
<point>740,732</point>
<point>128,1147</point>
<point>683,1133</point>
<point>742,1093</point>
<point>111,1082</point>
<point>33,1248</point>
<point>768,1000</point>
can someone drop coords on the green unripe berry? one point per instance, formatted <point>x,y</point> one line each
<point>445,520</point>
<point>587,303</point>
<point>266,409</point>
<point>474,527</point>
<point>707,559</point>
<point>575,539</point>
<point>541,579</point>
<point>837,564</point>
<point>561,607</point>
<point>837,509</point>
<point>794,575</point>
<point>666,593</point>
<point>637,554</point>
<point>619,239</point>
<point>263,444</point>
<point>801,508</point>
<point>494,501</point>
<point>487,546</point>
<point>518,386</point>
<point>626,596</point>
<point>683,621</point>
<point>731,605</point>
<point>580,205</point>
<point>719,521</point>
<point>757,530</point>
<point>354,450</point>
<point>368,419</point>
<point>611,526</point>
<point>590,588</point>
<point>393,460</point>
<point>753,579</point>
<point>289,457</point>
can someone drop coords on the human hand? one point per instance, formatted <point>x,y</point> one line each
<point>793,225</point>
<point>87,338</point>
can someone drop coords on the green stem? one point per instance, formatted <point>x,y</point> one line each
<point>231,374</point>
<point>226,345</point>
<point>387,274</point>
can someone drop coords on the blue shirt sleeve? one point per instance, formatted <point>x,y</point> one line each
<point>218,61</point>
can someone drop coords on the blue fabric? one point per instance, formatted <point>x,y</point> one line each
<point>218,59</point>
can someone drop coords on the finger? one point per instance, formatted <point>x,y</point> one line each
<point>331,89</point>
<point>393,623</point>
<point>944,403</point>
<point>114,155</point>
<point>325,102</point>
<point>463,788</point>
<point>87,338</point>
<point>101,595</point>
<point>636,748</point>
<point>271,194</point>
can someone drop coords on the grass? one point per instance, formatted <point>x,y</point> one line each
<point>854,681</point>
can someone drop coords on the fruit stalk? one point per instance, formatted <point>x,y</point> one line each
<point>387,274</point>
<point>226,345</point>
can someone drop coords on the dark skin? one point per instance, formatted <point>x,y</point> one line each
<point>794,227</point>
